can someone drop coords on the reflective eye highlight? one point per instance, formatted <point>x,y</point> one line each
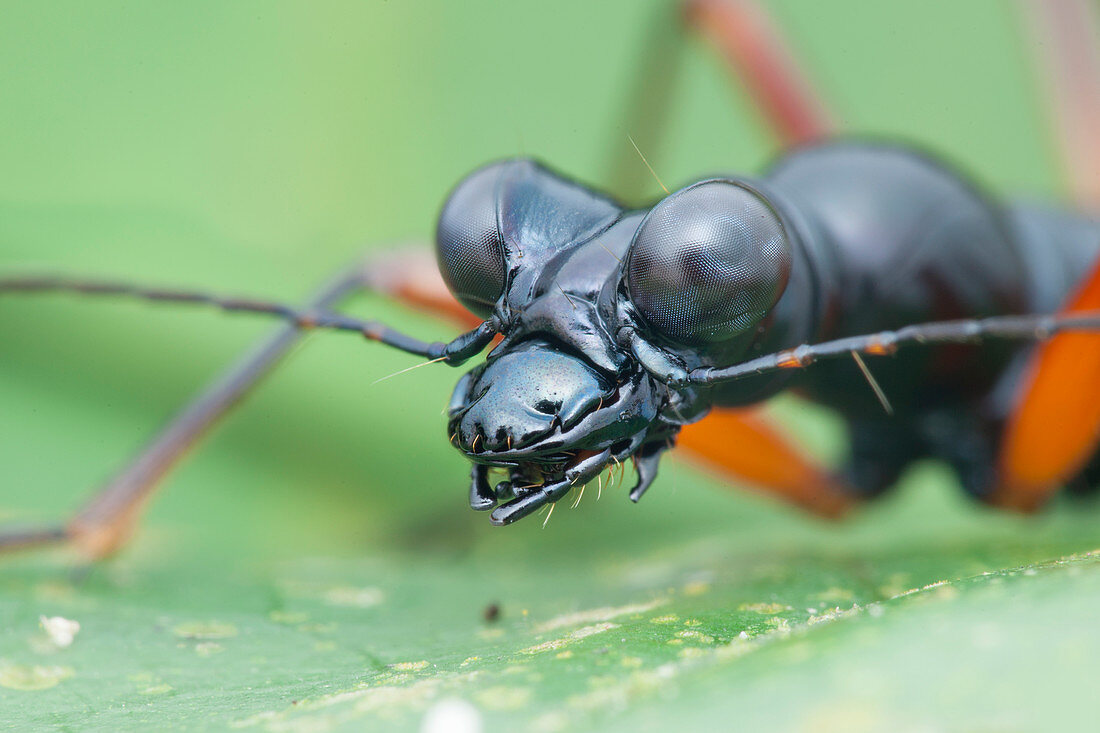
<point>469,245</point>
<point>708,262</point>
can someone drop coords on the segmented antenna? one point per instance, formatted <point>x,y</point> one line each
<point>885,343</point>
<point>305,319</point>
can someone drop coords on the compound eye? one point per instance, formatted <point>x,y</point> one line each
<point>708,262</point>
<point>469,245</point>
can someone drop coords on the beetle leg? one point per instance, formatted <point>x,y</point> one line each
<point>1087,482</point>
<point>648,106</point>
<point>757,54</point>
<point>1055,424</point>
<point>742,444</point>
<point>105,523</point>
<point>880,450</point>
<point>1065,37</point>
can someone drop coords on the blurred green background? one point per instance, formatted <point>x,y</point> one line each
<point>254,148</point>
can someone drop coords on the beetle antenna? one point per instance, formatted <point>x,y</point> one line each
<point>647,165</point>
<point>886,343</point>
<point>461,348</point>
<point>879,393</point>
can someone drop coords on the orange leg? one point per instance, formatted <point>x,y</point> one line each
<point>1055,427</point>
<point>741,444</point>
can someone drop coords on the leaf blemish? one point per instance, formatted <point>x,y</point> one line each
<point>208,648</point>
<point>696,588</point>
<point>572,636</point>
<point>288,617</point>
<point>346,595</point>
<point>32,677</point>
<point>605,613</point>
<point>156,690</point>
<point>764,608</point>
<point>501,697</point>
<point>204,630</point>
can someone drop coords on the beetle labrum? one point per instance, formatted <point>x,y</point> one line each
<point>619,326</point>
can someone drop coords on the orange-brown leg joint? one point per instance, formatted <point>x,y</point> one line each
<point>98,541</point>
<point>743,445</point>
<point>437,304</point>
<point>1056,426</point>
<point>412,277</point>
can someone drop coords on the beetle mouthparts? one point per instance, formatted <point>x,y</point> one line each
<point>530,475</point>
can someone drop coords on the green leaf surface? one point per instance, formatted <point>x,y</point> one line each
<point>314,566</point>
<point>899,620</point>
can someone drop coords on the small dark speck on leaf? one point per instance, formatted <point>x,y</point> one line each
<point>491,614</point>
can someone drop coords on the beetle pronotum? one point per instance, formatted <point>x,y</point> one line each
<point>620,327</point>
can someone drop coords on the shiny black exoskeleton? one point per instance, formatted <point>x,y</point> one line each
<point>601,309</point>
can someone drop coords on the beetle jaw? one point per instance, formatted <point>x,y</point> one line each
<point>534,479</point>
<point>553,420</point>
<point>546,470</point>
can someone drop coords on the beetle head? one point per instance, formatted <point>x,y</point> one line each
<point>592,300</point>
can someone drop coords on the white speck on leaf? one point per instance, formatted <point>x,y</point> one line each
<point>61,630</point>
<point>452,715</point>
